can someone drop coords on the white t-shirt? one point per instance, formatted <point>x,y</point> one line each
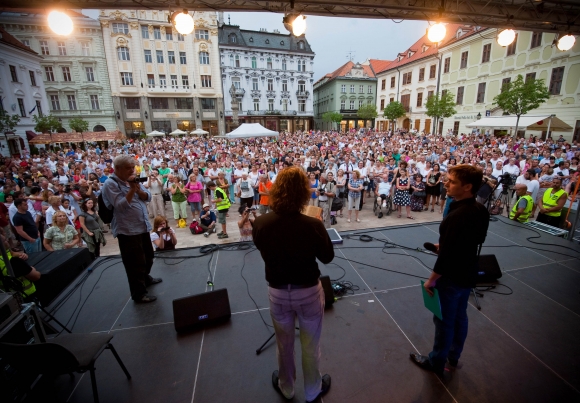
<point>155,236</point>
<point>245,187</point>
<point>533,185</point>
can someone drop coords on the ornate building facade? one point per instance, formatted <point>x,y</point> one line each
<point>74,68</point>
<point>267,78</point>
<point>162,80</point>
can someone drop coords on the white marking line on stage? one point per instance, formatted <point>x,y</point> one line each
<point>525,349</point>
<point>251,310</point>
<point>538,265</point>
<point>120,313</point>
<point>525,247</point>
<point>76,386</point>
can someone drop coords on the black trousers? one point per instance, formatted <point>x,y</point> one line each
<point>550,220</point>
<point>137,256</point>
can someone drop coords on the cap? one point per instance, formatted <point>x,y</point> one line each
<point>205,205</point>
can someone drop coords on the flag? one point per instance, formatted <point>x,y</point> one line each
<point>33,109</point>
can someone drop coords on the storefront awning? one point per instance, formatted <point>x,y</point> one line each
<point>30,135</point>
<point>535,122</point>
<point>47,138</point>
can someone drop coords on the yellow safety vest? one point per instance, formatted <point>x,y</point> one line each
<point>550,200</point>
<point>27,286</point>
<point>526,214</point>
<point>225,203</point>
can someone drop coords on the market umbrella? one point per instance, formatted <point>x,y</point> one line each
<point>249,130</point>
<point>155,133</point>
<point>198,132</point>
<point>177,132</point>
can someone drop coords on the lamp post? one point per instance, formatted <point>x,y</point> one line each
<point>479,116</point>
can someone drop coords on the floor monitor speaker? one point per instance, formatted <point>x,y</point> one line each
<point>201,309</point>
<point>328,291</point>
<point>488,270</point>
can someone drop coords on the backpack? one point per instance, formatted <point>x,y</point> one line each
<point>336,204</point>
<point>181,223</point>
<point>195,228</point>
<point>105,213</point>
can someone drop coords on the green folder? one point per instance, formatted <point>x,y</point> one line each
<point>432,303</point>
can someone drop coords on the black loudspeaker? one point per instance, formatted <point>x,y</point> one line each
<point>328,291</point>
<point>488,270</point>
<point>198,310</point>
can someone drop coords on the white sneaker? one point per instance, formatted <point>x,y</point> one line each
<point>384,204</point>
<point>213,230</point>
<point>206,234</point>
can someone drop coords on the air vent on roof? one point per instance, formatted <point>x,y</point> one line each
<point>282,43</point>
<point>267,41</point>
<point>251,39</point>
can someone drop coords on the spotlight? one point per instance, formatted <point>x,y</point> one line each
<point>566,42</point>
<point>182,21</point>
<point>60,23</point>
<point>436,32</point>
<point>506,37</point>
<point>295,23</point>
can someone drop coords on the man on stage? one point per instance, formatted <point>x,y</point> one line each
<point>454,274</point>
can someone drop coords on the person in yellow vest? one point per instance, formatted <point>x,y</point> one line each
<point>24,273</point>
<point>552,203</point>
<point>222,204</point>
<point>523,207</point>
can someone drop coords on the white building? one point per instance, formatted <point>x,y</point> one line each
<point>21,91</point>
<point>162,80</point>
<point>74,67</point>
<point>272,75</point>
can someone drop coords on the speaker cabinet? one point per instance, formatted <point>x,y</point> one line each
<point>328,291</point>
<point>488,270</point>
<point>198,310</point>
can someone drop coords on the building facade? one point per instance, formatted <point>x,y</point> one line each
<point>162,80</point>
<point>267,78</point>
<point>345,90</point>
<point>21,92</point>
<point>74,68</point>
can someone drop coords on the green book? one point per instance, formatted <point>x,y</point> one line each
<point>432,303</point>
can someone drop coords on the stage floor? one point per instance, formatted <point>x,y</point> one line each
<point>521,347</point>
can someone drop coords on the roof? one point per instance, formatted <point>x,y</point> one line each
<point>379,65</point>
<point>9,40</point>
<point>345,69</point>
<point>39,11</point>
<point>262,39</point>
<point>47,138</point>
<point>424,47</point>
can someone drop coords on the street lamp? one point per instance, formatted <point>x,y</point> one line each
<point>479,116</point>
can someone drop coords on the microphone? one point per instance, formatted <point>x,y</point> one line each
<point>430,247</point>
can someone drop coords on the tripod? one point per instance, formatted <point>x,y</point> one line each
<point>258,351</point>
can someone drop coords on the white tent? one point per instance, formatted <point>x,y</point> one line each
<point>532,122</point>
<point>177,132</point>
<point>248,130</point>
<point>198,132</point>
<point>155,133</point>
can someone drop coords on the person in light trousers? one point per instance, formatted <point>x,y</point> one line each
<point>155,186</point>
<point>325,193</point>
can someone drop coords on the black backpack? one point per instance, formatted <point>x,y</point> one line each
<point>105,213</point>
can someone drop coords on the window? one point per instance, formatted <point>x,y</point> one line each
<point>131,103</point>
<point>120,28</point>
<point>66,74</point>
<point>382,104</point>
<point>302,86</point>
<point>182,58</point>
<point>301,105</point>
<point>300,45</point>
<point>256,105</point>
<point>455,128</point>
<point>232,38</point>
<point>151,80</point>
<point>360,103</point>
<point>536,40</point>
<point>420,99</point>
<point>232,61</point>
<point>255,84</point>
<point>270,84</point>
<point>361,89</point>
<point>237,61</point>
<point>370,90</point>
<point>443,93</point>
<point>26,42</point>
<point>421,74</point>
<point>173,81</point>
<point>556,80</point>
<point>407,78</point>
<point>159,54</point>
<point>391,100</point>
<point>392,82</point>
<point>511,48</point>
<point>283,64</point>
<point>159,103</point>
<point>44,48</point>
<point>39,108</point>
<point>432,71</point>
<point>285,105</point>
<point>185,81</point>
<point>236,82</point>
<point>148,58</point>
<point>123,53</point>
<point>202,34</point>
<point>90,74</point>
<point>504,83</point>
<point>171,56</point>
<point>184,103</point>
<point>208,104</point>
<point>180,37</point>
<point>284,85</point>
<point>54,103</point>
<point>459,100</point>
<point>343,89</point>
<point>86,49</point>
<point>430,94</point>
<point>126,78</point>
<point>352,105</point>
<point>302,65</point>
<point>352,89</point>
<point>269,63</point>
<point>342,104</point>
<point>486,53</point>
<point>72,102</point>
<point>254,64</point>
<point>383,84</point>
<point>530,76</point>
<point>446,65</point>
<point>21,107</point>
<point>480,93</point>
<point>61,48</point>
<point>95,102</point>
<point>162,81</point>
<point>203,58</point>
<point>144,32</point>
<point>168,34</point>
<point>49,73</point>
<point>463,63</point>
<point>270,104</point>
<point>13,74</point>
<point>206,81</point>
<point>156,33</point>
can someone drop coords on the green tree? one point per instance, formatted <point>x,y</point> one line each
<point>440,107</point>
<point>78,125</point>
<point>330,117</point>
<point>393,111</point>
<point>46,123</point>
<point>8,122</point>
<point>520,97</point>
<point>367,112</point>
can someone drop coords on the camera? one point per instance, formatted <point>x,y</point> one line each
<point>321,192</point>
<point>67,189</point>
<point>139,180</point>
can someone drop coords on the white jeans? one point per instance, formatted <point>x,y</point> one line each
<point>325,206</point>
<point>353,202</point>
<point>308,305</point>
<point>155,206</point>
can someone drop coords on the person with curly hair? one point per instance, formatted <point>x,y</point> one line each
<point>293,279</point>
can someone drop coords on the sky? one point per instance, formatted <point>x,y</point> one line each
<point>335,40</point>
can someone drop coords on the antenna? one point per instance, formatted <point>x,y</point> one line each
<point>350,54</point>
<point>229,19</point>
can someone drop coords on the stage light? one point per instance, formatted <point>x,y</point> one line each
<point>566,42</point>
<point>60,23</point>
<point>183,22</point>
<point>506,37</point>
<point>295,23</point>
<point>436,32</point>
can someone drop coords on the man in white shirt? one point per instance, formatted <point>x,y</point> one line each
<point>497,172</point>
<point>348,166</point>
<point>383,190</point>
<point>528,179</point>
<point>512,168</point>
<point>421,164</point>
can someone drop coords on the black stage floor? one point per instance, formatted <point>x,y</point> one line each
<point>521,347</point>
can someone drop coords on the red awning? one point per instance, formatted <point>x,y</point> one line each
<point>30,135</point>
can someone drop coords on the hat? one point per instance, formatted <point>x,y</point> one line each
<point>205,205</point>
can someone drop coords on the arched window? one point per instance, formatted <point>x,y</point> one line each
<point>269,63</point>
<point>254,63</point>
<point>232,38</point>
<point>231,60</point>
<point>99,128</point>
<point>203,58</point>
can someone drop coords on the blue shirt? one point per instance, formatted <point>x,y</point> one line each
<point>129,218</point>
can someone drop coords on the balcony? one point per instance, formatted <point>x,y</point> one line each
<point>276,113</point>
<point>237,92</point>
<point>302,94</point>
<point>168,89</point>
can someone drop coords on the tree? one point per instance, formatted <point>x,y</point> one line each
<point>330,117</point>
<point>8,122</point>
<point>442,107</point>
<point>367,112</point>
<point>46,123</point>
<point>393,111</point>
<point>520,97</point>
<point>78,125</point>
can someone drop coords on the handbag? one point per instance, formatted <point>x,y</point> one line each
<point>166,196</point>
<point>432,180</point>
<point>419,193</point>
